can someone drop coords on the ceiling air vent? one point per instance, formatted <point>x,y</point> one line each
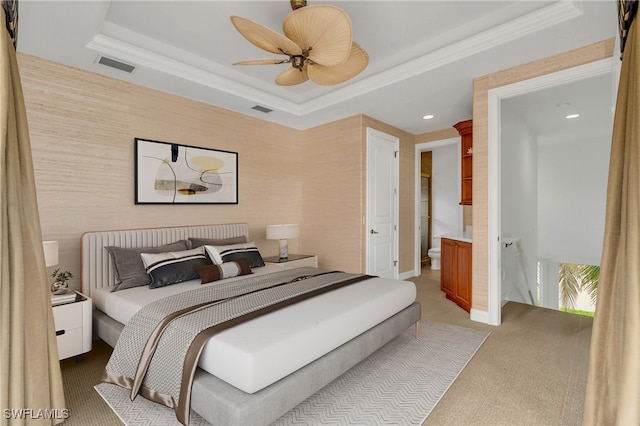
<point>262,109</point>
<point>116,64</point>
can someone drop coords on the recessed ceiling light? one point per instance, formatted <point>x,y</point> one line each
<point>428,117</point>
<point>570,116</point>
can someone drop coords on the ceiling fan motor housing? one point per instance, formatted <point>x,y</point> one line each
<point>297,4</point>
<point>297,62</point>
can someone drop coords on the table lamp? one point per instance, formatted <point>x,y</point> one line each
<point>283,233</point>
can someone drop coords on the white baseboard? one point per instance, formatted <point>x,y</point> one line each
<point>479,316</point>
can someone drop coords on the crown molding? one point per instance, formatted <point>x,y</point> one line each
<point>548,16</point>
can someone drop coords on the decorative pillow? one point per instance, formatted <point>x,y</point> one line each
<point>249,251</point>
<point>210,273</point>
<point>197,242</point>
<point>173,267</point>
<point>128,265</point>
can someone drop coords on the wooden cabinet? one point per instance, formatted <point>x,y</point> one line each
<point>455,271</point>
<point>465,129</point>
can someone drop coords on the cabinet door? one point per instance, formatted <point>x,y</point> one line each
<point>447,266</point>
<point>462,288</point>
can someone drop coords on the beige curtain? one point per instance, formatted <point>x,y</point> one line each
<point>31,389</point>
<point>613,387</point>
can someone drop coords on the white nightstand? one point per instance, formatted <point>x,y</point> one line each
<point>72,317</point>
<point>293,261</point>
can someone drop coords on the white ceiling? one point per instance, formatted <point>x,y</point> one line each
<point>544,111</point>
<point>423,55</point>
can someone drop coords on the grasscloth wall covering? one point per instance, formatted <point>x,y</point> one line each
<point>82,128</point>
<point>332,200</point>
<point>481,87</point>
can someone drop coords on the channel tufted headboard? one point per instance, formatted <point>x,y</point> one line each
<point>97,268</point>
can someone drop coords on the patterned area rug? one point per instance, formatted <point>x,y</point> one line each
<point>399,384</point>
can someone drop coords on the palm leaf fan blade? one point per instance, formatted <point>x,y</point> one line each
<point>262,62</point>
<point>265,38</point>
<point>327,76</point>
<point>292,76</point>
<point>324,30</point>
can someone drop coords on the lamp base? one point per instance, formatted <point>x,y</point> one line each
<point>283,249</point>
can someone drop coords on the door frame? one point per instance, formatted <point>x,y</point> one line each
<point>495,96</point>
<point>419,149</point>
<point>396,199</point>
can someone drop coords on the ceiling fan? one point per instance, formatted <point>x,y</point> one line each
<point>317,41</point>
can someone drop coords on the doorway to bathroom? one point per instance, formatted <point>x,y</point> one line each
<point>438,209</point>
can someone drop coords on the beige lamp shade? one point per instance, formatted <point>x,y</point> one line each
<point>50,253</point>
<point>282,232</point>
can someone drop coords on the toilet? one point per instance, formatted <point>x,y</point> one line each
<point>434,254</point>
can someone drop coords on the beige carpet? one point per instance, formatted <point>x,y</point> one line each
<point>531,370</point>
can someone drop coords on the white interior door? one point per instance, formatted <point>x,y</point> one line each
<point>382,204</point>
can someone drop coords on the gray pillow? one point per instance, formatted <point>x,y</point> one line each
<point>130,271</point>
<point>197,242</point>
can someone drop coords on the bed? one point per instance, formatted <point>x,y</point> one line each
<point>256,371</point>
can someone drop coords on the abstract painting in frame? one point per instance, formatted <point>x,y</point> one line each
<point>169,173</point>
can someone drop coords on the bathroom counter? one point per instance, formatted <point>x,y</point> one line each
<point>458,237</point>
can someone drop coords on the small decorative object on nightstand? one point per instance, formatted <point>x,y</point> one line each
<point>60,286</point>
<point>283,233</point>
<point>72,316</point>
<point>293,261</point>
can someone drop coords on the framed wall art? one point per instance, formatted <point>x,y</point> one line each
<point>169,173</point>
